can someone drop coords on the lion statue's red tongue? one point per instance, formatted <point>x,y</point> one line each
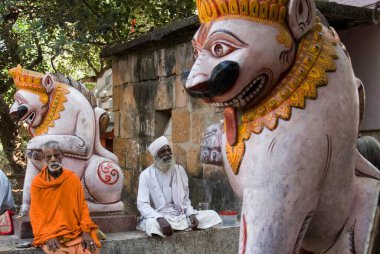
<point>231,125</point>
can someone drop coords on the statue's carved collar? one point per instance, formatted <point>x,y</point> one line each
<point>315,57</point>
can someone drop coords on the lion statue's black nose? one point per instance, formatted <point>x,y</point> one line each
<point>222,78</point>
<point>21,111</point>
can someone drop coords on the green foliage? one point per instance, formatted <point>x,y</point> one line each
<point>90,85</point>
<point>72,33</point>
<point>67,36</point>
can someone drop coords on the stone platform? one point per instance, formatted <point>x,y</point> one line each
<point>107,224</point>
<point>221,240</point>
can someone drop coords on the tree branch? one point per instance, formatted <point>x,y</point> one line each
<point>8,132</point>
<point>89,6</point>
<point>52,63</point>
<point>39,57</point>
<point>92,66</point>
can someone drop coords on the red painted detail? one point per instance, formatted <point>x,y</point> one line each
<point>244,236</point>
<point>231,125</point>
<point>228,212</point>
<point>108,173</point>
<point>133,23</point>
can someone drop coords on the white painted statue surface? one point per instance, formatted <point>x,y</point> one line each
<point>291,117</point>
<point>62,109</point>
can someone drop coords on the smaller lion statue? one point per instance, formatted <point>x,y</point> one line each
<point>59,108</point>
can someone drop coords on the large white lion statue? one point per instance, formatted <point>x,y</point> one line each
<point>291,117</point>
<point>62,109</point>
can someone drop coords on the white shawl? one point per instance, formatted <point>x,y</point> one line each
<point>150,198</point>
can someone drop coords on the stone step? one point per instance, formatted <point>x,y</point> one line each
<point>221,240</point>
<point>106,223</point>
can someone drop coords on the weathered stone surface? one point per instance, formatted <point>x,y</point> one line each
<point>184,58</point>
<point>221,240</point>
<point>197,192</point>
<point>213,116</point>
<point>131,69</point>
<point>167,62</point>
<point>116,80</point>
<point>115,223</point>
<point>218,192</point>
<point>148,65</point>
<point>128,123</point>
<point>162,122</point>
<point>181,123</point>
<point>145,125</point>
<point>180,155</point>
<point>194,168</point>
<point>132,148</point>
<point>129,194</point>
<point>128,100</point>
<point>161,63</point>
<point>197,126</point>
<point>128,113</point>
<point>164,96</point>
<point>197,104</point>
<point>181,97</point>
<point>121,71</point>
<point>209,170</point>
<point>116,124</point>
<point>144,94</point>
<point>119,147</point>
<point>117,96</point>
<point>146,159</point>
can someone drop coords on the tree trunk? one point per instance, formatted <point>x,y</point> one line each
<point>8,133</point>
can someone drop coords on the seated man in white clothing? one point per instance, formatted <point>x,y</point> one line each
<point>163,196</point>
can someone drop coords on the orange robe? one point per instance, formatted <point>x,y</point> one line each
<point>58,209</point>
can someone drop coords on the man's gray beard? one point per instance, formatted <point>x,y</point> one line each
<point>55,166</point>
<point>163,166</point>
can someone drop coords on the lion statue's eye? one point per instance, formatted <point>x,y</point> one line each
<point>221,49</point>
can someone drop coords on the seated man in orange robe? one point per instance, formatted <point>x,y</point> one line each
<point>58,212</point>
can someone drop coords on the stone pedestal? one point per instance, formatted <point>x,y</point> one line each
<point>22,227</point>
<point>106,223</point>
<point>115,223</point>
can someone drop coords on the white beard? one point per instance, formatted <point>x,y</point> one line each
<point>55,166</point>
<point>163,166</point>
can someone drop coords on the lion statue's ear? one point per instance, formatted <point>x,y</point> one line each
<point>301,16</point>
<point>48,82</point>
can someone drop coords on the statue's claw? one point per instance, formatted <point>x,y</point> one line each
<point>211,152</point>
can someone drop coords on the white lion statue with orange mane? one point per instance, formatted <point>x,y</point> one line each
<point>62,109</point>
<point>291,117</point>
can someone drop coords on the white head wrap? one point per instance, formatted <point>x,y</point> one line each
<point>157,145</point>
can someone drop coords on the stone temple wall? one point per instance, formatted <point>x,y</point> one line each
<point>149,101</point>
